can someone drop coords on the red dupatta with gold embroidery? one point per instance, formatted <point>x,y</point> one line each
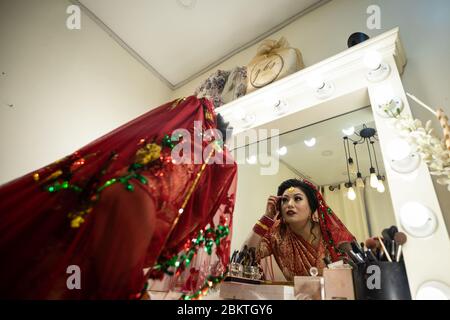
<point>117,206</point>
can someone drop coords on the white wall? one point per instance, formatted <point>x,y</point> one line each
<point>68,87</point>
<point>251,199</point>
<point>424,30</point>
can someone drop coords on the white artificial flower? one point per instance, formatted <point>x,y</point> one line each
<point>432,149</point>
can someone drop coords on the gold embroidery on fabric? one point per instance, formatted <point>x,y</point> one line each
<point>208,116</point>
<point>177,102</point>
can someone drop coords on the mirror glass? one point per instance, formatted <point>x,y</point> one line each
<point>317,153</point>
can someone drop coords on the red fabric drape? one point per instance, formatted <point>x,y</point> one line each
<point>127,230</point>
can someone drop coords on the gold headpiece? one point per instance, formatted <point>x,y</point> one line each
<point>291,190</point>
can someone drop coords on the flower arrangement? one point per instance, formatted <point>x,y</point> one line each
<point>434,151</point>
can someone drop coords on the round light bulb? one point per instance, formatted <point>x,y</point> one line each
<point>252,159</point>
<point>280,106</point>
<point>311,142</point>
<point>351,194</point>
<point>431,293</point>
<point>348,131</point>
<point>417,219</point>
<point>316,81</point>
<point>415,213</point>
<point>373,180</point>
<point>398,149</point>
<point>239,114</point>
<point>433,290</point>
<point>282,151</point>
<point>372,60</point>
<point>380,187</point>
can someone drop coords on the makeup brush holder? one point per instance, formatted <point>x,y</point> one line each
<point>393,282</point>
<point>236,269</point>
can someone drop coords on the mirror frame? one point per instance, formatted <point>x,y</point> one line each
<point>427,258</point>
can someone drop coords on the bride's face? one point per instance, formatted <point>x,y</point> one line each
<point>295,206</point>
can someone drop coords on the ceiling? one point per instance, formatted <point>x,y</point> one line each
<point>179,40</point>
<point>324,163</point>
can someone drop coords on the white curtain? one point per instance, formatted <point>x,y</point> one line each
<point>352,213</point>
<point>379,209</point>
<point>367,215</point>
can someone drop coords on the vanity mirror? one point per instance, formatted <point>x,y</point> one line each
<point>306,140</point>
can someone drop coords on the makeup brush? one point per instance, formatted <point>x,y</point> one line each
<point>363,250</point>
<point>400,239</point>
<point>387,239</point>
<point>392,231</point>
<point>375,246</point>
<point>253,256</point>
<point>379,248</point>
<point>358,250</point>
<point>233,257</point>
<point>384,250</point>
<point>241,255</point>
<point>347,248</point>
<point>371,246</point>
<point>350,262</point>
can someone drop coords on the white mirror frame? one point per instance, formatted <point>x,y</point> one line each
<point>353,91</point>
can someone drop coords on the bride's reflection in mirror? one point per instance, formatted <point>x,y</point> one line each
<point>327,197</point>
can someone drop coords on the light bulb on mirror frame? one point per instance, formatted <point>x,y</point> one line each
<point>239,114</point>
<point>280,107</point>
<point>248,120</point>
<point>378,70</point>
<point>433,290</point>
<point>417,219</point>
<point>322,89</point>
<point>359,180</point>
<point>316,81</point>
<point>373,178</point>
<point>398,149</point>
<point>380,187</point>
<point>372,60</point>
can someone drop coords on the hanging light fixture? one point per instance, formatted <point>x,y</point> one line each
<point>350,163</point>
<point>380,184</point>
<point>380,187</point>
<point>366,136</point>
<point>359,179</point>
<point>373,176</point>
<point>351,195</point>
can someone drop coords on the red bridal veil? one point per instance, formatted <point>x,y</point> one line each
<point>86,226</point>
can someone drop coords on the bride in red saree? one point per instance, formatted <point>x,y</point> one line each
<point>299,230</point>
<point>117,206</point>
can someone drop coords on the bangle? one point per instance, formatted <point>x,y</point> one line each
<point>267,221</point>
<point>259,230</point>
<point>263,225</point>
